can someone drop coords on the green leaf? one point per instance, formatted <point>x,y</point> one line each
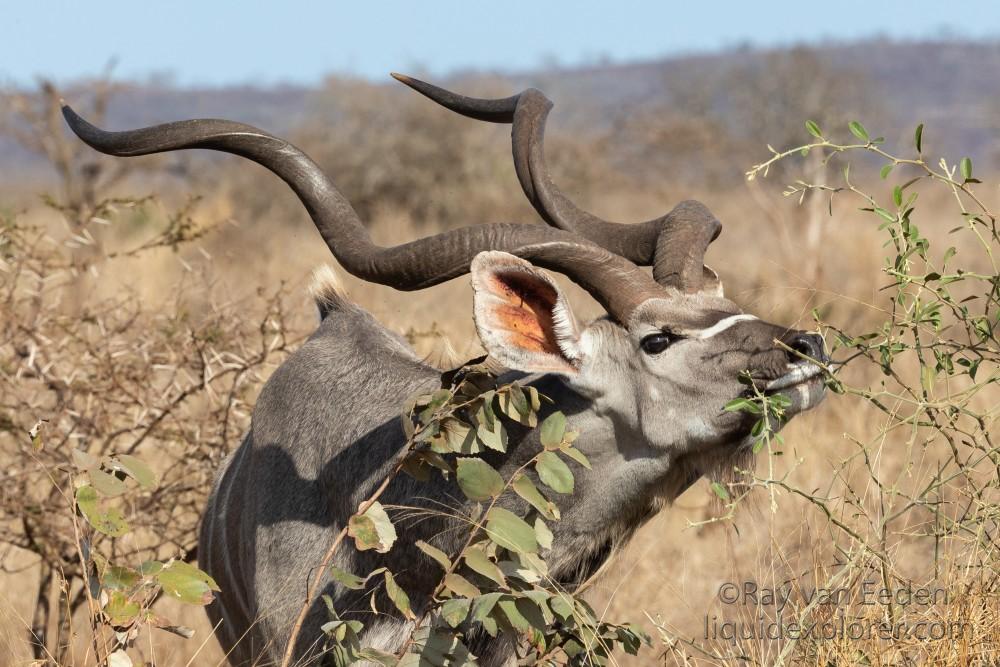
<point>84,460</point>
<point>183,581</point>
<point>519,570</point>
<point>135,469</point>
<point>585,613</point>
<point>398,596</point>
<point>120,610</point>
<point>576,455</point>
<point>372,530</point>
<point>514,615</point>
<point>552,430</point>
<point>461,438</point>
<point>484,413</point>
<point>573,648</point>
<point>813,129</point>
<point>510,531</point>
<point>343,632</point>
<point>927,377</point>
<point>106,484</point>
<point>720,490</point>
<point>439,398</point>
<point>525,488</point>
<point>540,598</point>
<point>118,578</point>
<point>884,171</point>
<point>515,405</point>
<point>554,473</point>
<point>858,130</point>
<point>542,534</point>
<point>632,638</point>
<point>779,400</point>
<point>742,405</point>
<point>533,563</point>
<point>459,585</point>
<point>438,439</point>
<point>150,567</point>
<point>455,611</point>
<point>352,581</point>
<point>437,647</point>
<point>897,196</point>
<point>521,402</point>
<point>328,601</point>
<point>483,605</point>
<point>493,436</point>
<point>436,461</point>
<point>965,166</point>
<point>918,137</point>
<point>534,398</point>
<point>884,214</point>
<point>562,605</point>
<point>522,614</point>
<point>478,479</point>
<point>435,553</point>
<point>109,521</point>
<point>416,467</point>
<point>538,614</point>
<point>477,561</point>
<point>377,656</point>
<point>346,579</point>
<point>364,532</point>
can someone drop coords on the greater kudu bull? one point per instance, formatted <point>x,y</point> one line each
<point>645,386</point>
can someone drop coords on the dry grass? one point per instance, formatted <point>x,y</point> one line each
<point>672,572</point>
<point>669,578</point>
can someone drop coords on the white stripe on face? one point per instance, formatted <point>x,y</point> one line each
<point>719,326</point>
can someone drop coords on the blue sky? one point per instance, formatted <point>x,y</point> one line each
<point>253,41</point>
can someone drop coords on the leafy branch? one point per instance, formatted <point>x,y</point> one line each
<point>497,582</point>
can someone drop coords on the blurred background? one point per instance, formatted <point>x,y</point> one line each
<point>189,270</point>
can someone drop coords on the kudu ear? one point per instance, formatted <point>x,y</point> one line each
<point>522,316</point>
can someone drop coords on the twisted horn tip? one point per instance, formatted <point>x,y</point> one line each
<point>75,121</point>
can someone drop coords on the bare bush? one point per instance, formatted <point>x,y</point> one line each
<point>909,508</point>
<point>117,376</point>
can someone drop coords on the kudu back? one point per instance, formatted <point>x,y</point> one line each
<point>645,385</point>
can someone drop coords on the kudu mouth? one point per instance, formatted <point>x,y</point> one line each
<point>799,372</point>
<point>802,380</point>
<point>802,384</point>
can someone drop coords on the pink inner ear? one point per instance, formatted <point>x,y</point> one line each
<point>524,310</point>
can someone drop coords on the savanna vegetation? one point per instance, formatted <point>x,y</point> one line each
<point>144,302</point>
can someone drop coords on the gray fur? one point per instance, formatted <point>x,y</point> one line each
<point>326,430</point>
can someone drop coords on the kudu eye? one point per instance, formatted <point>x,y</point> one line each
<point>658,342</point>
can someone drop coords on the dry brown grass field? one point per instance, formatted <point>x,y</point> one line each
<point>776,258</point>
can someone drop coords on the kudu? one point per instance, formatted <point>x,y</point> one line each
<point>645,386</point>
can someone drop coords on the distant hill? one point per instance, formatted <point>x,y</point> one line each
<point>953,87</point>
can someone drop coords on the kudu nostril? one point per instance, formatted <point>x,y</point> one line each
<point>807,345</point>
